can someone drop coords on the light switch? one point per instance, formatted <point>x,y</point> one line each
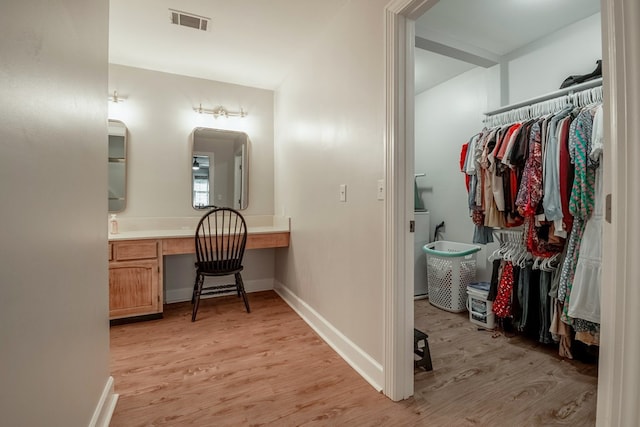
<point>381,189</point>
<point>343,192</point>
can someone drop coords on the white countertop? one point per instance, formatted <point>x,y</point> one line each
<point>166,228</point>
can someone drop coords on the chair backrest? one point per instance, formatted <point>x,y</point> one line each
<point>221,237</point>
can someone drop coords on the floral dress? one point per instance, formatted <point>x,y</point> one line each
<point>581,205</point>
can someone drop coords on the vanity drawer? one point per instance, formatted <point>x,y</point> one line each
<point>140,249</point>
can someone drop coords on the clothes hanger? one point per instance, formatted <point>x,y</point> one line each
<point>547,265</point>
<point>536,263</point>
<point>506,254</point>
<point>494,256</point>
<point>544,264</point>
<point>511,252</point>
<point>596,94</point>
<point>524,257</point>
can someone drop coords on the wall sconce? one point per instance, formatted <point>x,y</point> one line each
<point>115,98</point>
<point>220,112</point>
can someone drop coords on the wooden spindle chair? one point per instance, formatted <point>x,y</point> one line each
<point>221,237</point>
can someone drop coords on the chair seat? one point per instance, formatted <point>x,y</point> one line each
<point>216,268</point>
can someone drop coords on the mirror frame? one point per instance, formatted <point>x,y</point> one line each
<point>118,160</point>
<point>244,191</point>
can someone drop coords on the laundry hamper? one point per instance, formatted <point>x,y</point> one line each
<point>451,267</point>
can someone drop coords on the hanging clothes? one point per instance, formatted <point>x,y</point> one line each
<point>585,300</point>
<point>469,165</point>
<point>530,192</point>
<point>566,176</point>
<point>502,304</point>
<point>495,277</point>
<point>581,202</point>
<point>542,176</point>
<point>583,306</point>
<point>544,334</point>
<point>551,198</point>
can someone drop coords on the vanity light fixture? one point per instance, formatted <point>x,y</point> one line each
<point>115,98</point>
<point>220,112</point>
<point>195,165</point>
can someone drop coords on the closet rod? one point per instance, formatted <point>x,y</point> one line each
<point>567,90</point>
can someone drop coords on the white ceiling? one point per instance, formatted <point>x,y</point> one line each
<point>250,42</point>
<point>255,42</point>
<point>491,27</point>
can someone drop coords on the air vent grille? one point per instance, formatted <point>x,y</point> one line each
<point>190,20</point>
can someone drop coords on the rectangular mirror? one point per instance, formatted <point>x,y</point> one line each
<point>117,166</point>
<point>219,168</point>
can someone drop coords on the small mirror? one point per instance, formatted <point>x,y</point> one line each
<point>219,172</point>
<point>117,166</point>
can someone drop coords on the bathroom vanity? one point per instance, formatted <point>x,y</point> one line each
<point>136,257</point>
<point>219,173</point>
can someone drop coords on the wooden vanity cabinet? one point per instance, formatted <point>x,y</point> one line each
<point>134,278</point>
<point>135,271</point>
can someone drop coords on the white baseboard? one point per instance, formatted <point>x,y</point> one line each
<point>359,360</point>
<point>106,405</point>
<point>184,294</point>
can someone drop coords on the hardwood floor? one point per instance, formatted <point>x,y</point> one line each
<point>230,368</point>
<point>482,378</point>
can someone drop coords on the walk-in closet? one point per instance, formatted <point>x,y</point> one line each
<point>509,137</point>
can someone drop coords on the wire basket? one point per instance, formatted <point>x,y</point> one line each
<point>451,267</point>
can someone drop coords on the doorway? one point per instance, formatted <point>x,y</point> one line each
<point>620,63</point>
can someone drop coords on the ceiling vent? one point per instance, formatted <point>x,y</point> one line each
<point>190,20</point>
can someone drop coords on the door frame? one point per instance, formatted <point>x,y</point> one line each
<point>619,369</point>
<point>620,344</point>
<point>400,16</point>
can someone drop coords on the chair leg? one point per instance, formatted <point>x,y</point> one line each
<point>195,288</point>
<point>240,286</point>
<point>196,296</point>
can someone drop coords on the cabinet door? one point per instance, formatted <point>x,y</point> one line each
<point>133,288</point>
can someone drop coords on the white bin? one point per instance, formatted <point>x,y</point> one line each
<point>451,267</point>
<point>480,310</point>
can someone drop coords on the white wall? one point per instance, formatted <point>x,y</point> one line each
<point>159,116</point>
<point>329,131</point>
<point>449,114</point>
<point>54,328</point>
<point>541,67</point>
<point>445,118</point>
<point>179,274</point>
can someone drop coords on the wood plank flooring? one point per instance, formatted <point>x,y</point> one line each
<point>230,368</point>
<point>482,378</point>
